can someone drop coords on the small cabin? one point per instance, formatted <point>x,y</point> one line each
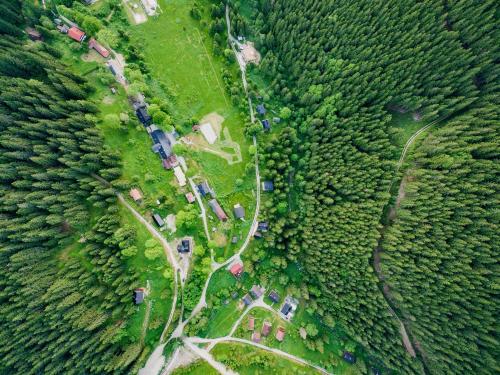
<point>274,296</point>
<point>267,186</point>
<point>76,34</point>
<point>236,269</point>
<point>158,220</point>
<point>136,195</point>
<point>239,211</point>
<point>349,357</point>
<point>139,295</point>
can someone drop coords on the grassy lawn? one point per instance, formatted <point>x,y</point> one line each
<point>247,360</point>
<point>199,367</point>
<point>161,292</point>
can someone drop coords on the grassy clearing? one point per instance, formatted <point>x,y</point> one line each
<point>328,357</point>
<point>161,289</point>
<point>404,126</point>
<point>248,360</point>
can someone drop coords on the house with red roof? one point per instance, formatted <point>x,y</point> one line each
<point>280,334</point>
<point>236,269</point>
<point>217,209</point>
<point>99,48</point>
<point>266,328</point>
<point>76,34</point>
<point>251,323</point>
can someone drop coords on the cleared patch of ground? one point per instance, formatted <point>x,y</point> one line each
<point>224,147</point>
<point>135,12</point>
<point>92,55</point>
<point>108,99</point>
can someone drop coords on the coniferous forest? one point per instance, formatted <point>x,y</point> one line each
<point>359,226</point>
<point>59,313</point>
<point>344,67</point>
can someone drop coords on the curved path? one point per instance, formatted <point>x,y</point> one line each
<point>199,340</point>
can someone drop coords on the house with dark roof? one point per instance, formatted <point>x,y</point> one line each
<point>256,291</point>
<point>349,357</point>
<point>263,226</point>
<point>143,116</point>
<point>239,211</point>
<point>139,295</point>
<point>266,328</point>
<point>204,189</point>
<point>236,269</point>
<point>274,296</point>
<point>261,110</point>
<point>162,144</point>
<point>266,125</point>
<point>247,300</point>
<point>288,309</point>
<point>267,186</point>
<point>184,246</point>
<point>217,209</point>
<point>158,220</point>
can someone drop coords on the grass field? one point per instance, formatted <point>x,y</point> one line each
<point>198,368</point>
<point>247,360</point>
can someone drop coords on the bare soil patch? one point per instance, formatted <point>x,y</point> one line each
<point>92,55</point>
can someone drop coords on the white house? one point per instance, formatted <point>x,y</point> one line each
<point>208,133</point>
<point>179,174</point>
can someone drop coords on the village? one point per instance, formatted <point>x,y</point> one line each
<point>227,222</point>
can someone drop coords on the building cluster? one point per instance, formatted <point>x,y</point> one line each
<point>74,32</point>
<point>266,123</point>
<point>265,330</point>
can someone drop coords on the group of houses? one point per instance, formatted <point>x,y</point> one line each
<point>266,123</point>
<point>265,331</point>
<point>74,32</point>
<point>163,142</point>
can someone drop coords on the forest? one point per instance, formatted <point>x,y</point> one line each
<point>64,299</point>
<point>344,68</point>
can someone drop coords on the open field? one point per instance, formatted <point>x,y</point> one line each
<point>247,360</point>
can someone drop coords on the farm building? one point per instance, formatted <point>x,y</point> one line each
<point>76,34</point>
<point>267,186</point>
<point>236,269</point>
<point>190,197</point>
<point>217,209</point>
<point>239,211</point>
<point>179,174</point>
<point>158,220</point>
<point>93,44</point>
<point>136,195</point>
<point>208,133</point>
